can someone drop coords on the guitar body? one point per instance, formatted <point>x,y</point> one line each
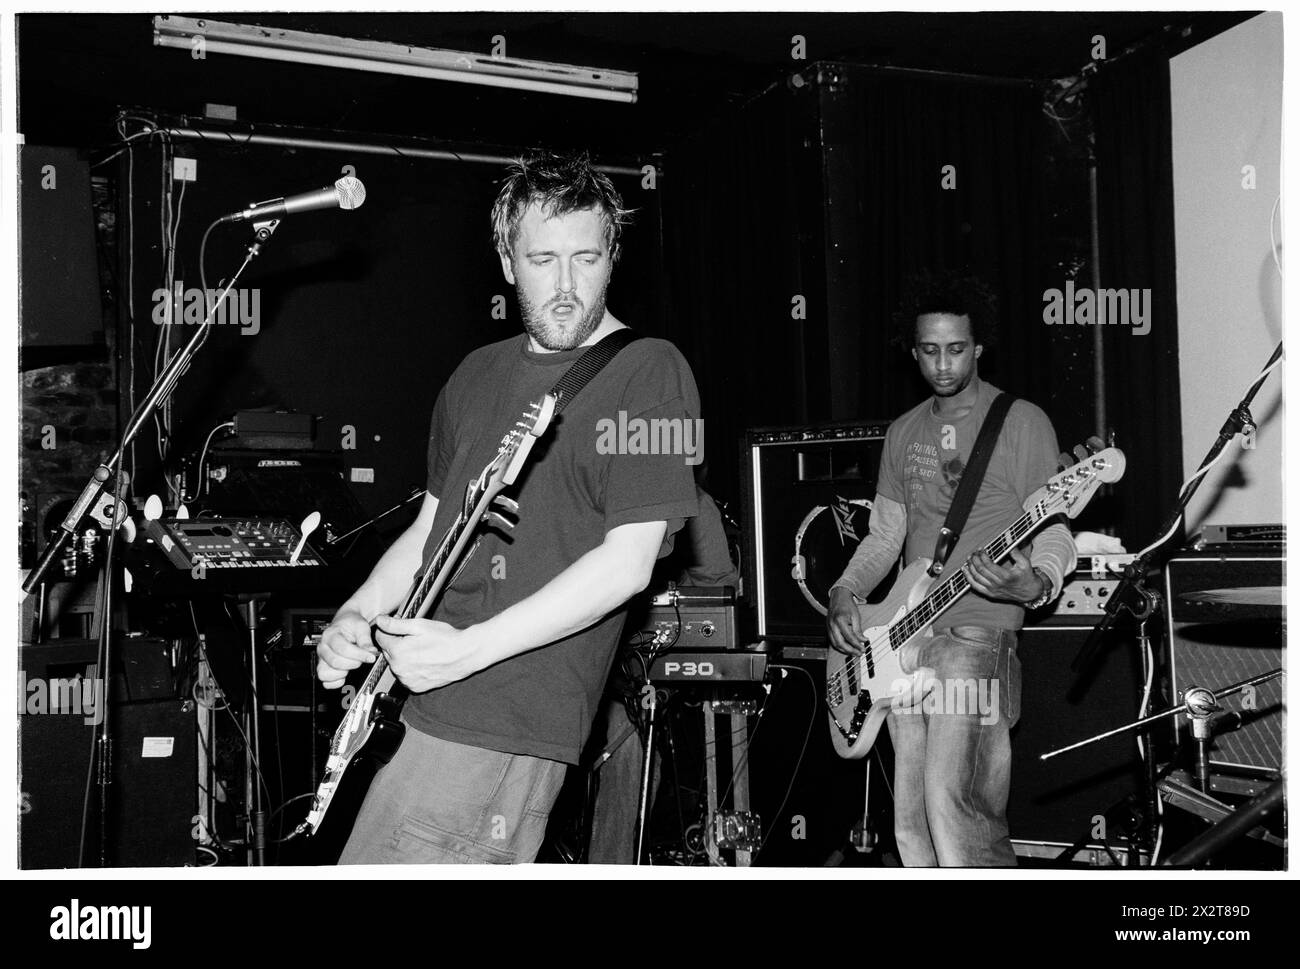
<point>861,690</point>
<point>372,725</point>
<point>386,729</point>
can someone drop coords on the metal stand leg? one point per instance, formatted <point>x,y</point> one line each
<point>206,740</point>
<point>710,781</point>
<point>647,768</point>
<point>740,796</point>
<point>255,829</point>
<point>738,822</point>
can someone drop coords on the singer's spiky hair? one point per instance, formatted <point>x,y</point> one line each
<point>561,184</point>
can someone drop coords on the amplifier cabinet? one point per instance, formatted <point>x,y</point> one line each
<point>1057,801</point>
<point>1216,646</point>
<point>808,493</point>
<point>153,797</point>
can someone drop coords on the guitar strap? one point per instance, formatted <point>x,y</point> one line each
<point>971,479</point>
<point>589,364</point>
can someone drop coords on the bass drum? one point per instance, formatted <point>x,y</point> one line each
<point>823,545</point>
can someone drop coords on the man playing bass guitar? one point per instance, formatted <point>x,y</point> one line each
<point>953,766</point>
<point>507,673</point>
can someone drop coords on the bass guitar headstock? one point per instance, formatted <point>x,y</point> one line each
<point>1070,490</point>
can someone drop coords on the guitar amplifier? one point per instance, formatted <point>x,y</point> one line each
<point>808,494</point>
<point>1225,625</point>
<point>692,634</point>
<point>1084,596</point>
<point>686,618</point>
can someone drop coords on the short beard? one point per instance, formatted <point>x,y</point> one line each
<point>547,334</point>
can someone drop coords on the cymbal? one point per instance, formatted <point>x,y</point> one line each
<point>1252,601</point>
<point>1246,595</point>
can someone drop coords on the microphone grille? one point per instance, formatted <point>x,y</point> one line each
<point>350,191</point>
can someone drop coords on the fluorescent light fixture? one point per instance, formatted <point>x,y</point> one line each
<point>324,50</point>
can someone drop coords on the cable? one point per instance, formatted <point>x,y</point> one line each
<point>740,765</point>
<point>812,719</point>
<point>296,797</point>
<point>201,488</point>
<point>884,774</point>
<point>125,142</point>
<point>130,286</point>
<point>257,767</point>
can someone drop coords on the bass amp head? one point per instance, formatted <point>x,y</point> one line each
<point>808,494</point>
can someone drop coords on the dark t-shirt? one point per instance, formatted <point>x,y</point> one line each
<point>589,473</point>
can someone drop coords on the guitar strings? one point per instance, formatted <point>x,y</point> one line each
<point>912,623</point>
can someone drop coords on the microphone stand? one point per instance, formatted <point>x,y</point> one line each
<point>112,470</point>
<point>1132,594</point>
<point>415,493</point>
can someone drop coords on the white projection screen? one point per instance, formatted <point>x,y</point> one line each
<point>1226,99</point>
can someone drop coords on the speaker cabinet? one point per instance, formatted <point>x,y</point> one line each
<point>808,494</point>
<point>1214,644</point>
<point>153,796</point>
<point>58,269</point>
<point>1056,801</point>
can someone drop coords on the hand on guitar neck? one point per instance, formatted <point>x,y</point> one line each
<point>425,654</point>
<point>1014,582</point>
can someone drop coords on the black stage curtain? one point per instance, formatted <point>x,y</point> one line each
<point>1131,116</point>
<point>834,191</point>
<point>742,235</point>
<point>891,139</point>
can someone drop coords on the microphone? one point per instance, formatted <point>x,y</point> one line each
<point>346,193</point>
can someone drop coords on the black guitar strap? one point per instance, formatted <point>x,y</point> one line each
<point>971,479</point>
<point>589,364</point>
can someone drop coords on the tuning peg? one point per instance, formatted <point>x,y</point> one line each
<point>509,504</point>
<point>499,520</point>
<point>1096,444</point>
<point>1080,453</point>
<point>1063,460</point>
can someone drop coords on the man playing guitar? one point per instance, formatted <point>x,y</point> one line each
<point>507,674</point>
<point>953,766</point>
